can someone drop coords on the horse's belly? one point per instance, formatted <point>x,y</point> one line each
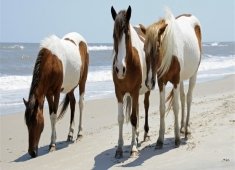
<point>191,64</point>
<point>71,79</point>
<point>71,73</point>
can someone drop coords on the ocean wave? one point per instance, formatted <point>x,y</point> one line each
<point>101,75</point>
<point>211,62</point>
<point>100,48</point>
<point>15,82</point>
<point>15,46</point>
<point>23,82</point>
<point>214,44</point>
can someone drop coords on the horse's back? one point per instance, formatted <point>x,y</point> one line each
<point>68,53</point>
<point>191,47</point>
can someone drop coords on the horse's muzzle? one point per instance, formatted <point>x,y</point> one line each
<point>33,153</point>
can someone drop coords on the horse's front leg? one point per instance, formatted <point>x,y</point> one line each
<point>176,113</point>
<point>162,109</point>
<point>146,107</point>
<point>119,151</point>
<point>134,123</point>
<point>53,117</point>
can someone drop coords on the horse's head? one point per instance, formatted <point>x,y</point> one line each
<point>121,37</point>
<point>153,50</point>
<point>35,123</point>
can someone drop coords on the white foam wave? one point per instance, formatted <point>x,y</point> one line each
<point>101,75</point>
<point>15,82</point>
<point>23,82</point>
<point>217,62</point>
<point>100,48</point>
<point>214,44</point>
<point>16,46</point>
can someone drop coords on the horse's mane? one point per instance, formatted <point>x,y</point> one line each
<point>34,84</point>
<point>169,45</point>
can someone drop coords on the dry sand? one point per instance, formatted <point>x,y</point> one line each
<point>211,145</point>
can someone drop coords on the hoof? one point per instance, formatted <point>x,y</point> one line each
<point>134,154</point>
<point>79,137</point>
<point>52,148</point>
<point>177,143</point>
<point>187,133</point>
<point>33,154</point>
<point>182,130</point>
<point>159,145</point>
<point>146,138</point>
<point>70,138</point>
<point>119,154</point>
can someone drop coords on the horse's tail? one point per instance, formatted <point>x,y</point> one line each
<point>170,100</point>
<point>65,103</point>
<point>127,107</point>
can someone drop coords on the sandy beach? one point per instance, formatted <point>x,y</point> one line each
<point>211,145</point>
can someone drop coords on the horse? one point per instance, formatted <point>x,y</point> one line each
<point>173,53</point>
<point>61,66</point>
<point>129,70</point>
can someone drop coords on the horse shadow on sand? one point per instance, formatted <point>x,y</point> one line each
<point>44,150</point>
<point>106,159</point>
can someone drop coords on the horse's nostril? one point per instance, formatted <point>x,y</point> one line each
<point>116,69</point>
<point>124,70</point>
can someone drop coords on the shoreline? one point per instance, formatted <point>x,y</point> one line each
<point>112,95</point>
<point>211,145</point>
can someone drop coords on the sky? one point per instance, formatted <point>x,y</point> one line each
<point>32,20</point>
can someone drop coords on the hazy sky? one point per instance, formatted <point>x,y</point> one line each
<point>32,20</point>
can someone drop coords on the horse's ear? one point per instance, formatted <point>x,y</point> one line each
<point>128,14</point>
<point>162,29</point>
<point>25,102</point>
<point>113,12</point>
<point>143,29</point>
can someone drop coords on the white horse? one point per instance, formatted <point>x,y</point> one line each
<point>173,52</point>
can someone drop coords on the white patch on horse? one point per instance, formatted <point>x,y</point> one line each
<point>120,122</point>
<point>121,57</point>
<point>69,55</point>
<point>53,118</point>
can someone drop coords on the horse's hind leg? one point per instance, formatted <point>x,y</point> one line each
<point>182,99</point>
<point>81,106</point>
<point>176,113</point>
<point>192,83</point>
<point>72,101</point>
<point>146,107</point>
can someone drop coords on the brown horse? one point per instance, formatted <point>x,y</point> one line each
<point>61,65</point>
<point>129,71</point>
<point>173,53</point>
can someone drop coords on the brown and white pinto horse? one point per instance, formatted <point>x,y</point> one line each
<point>173,52</point>
<point>129,71</point>
<point>61,65</point>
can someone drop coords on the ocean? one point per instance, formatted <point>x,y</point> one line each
<point>17,62</point>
